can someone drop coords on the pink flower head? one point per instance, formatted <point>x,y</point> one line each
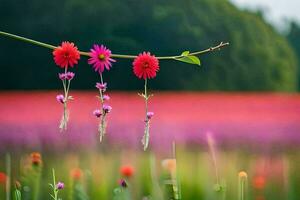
<point>60,185</point>
<point>145,66</point>
<point>150,115</point>
<point>107,108</point>
<point>66,76</point>
<point>101,86</point>
<point>70,75</point>
<point>66,55</point>
<point>100,58</point>
<point>97,113</point>
<point>60,98</point>
<point>106,97</point>
<point>123,183</point>
<point>62,76</point>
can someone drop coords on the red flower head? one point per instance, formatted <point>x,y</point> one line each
<point>127,171</point>
<point>66,55</point>
<point>145,65</point>
<point>36,158</point>
<point>2,178</point>
<point>259,182</point>
<point>76,174</point>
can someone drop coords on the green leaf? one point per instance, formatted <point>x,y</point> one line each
<point>190,59</point>
<point>185,53</point>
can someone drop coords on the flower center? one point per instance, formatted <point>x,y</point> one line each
<point>146,65</point>
<point>66,55</point>
<point>101,57</point>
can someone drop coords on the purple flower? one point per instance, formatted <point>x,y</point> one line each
<point>60,185</point>
<point>123,183</point>
<point>107,108</point>
<point>60,98</point>
<point>97,113</point>
<point>62,76</point>
<point>69,75</point>
<point>150,115</point>
<point>101,86</point>
<point>106,97</point>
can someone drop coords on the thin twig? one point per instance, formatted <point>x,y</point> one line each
<point>83,53</point>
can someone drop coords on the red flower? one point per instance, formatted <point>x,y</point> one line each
<point>2,178</point>
<point>66,55</point>
<point>259,182</point>
<point>127,171</point>
<point>36,158</point>
<point>145,66</point>
<point>76,173</point>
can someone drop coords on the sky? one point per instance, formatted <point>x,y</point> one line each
<point>276,11</point>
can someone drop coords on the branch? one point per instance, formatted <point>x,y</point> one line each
<point>83,53</point>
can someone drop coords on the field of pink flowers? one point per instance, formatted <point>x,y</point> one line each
<point>238,119</point>
<point>257,132</point>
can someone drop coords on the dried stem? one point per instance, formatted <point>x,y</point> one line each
<point>102,123</point>
<point>145,140</point>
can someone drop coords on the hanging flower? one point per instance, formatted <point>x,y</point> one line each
<point>106,97</point>
<point>97,113</point>
<point>101,86</point>
<point>66,78</point>
<point>107,108</point>
<point>100,58</point>
<point>149,115</point>
<point>66,55</point>
<point>145,66</point>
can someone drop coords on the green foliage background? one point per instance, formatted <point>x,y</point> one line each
<point>258,58</point>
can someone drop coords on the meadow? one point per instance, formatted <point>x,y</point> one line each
<point>217,136</point>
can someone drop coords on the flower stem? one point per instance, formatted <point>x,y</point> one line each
<point>49,46</point>
<point>102,125</point>
<point>64,120</point>
<point>55,191</point>
<point>242,182</point>
<point>175,177</point>
<point>146,97</point>
<point>145,140</point>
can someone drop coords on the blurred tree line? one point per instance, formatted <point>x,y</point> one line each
<point>294,39</point>
<point>258,58</point>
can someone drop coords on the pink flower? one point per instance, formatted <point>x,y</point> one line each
<point>70,75</point>
<point>145,66</point>
<point>106,97</point>
<point>66,76</point>
<point>97,113</point>
<point>101,86</point>
<point>60,98</point>
<point>66,55</point>
<point>100,58</point>
<point>60,185</point>
<point>123,183</point>
<point>62,76</point>
<point>107,108</point>
<point>150,115</point>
